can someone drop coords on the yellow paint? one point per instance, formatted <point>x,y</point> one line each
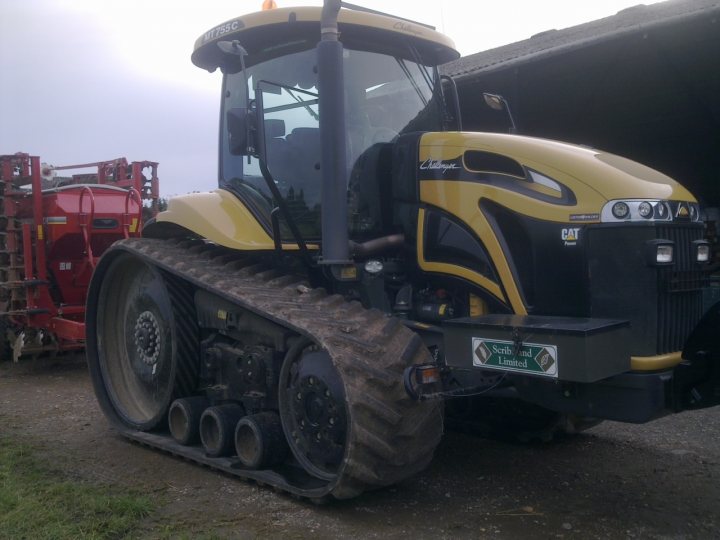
<point>133,225</point>
<point>272,19</point>
<point>222,218</point>
<point>594,177</point>
<point>655,363</point>
<point>40,232</point>
<point>478,306</point>
<point>482,229</point>
<point>464,273</point>
<point>222,314</point>
<point>348,272</point>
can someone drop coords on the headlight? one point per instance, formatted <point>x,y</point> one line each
<point>659,252</point>
<point>702,251</point>
<point>664,254</point>
<point>645,209</point>
<point>621,210</point>
<point>661,211</point>
<point>694,212</point>
<point>373,267</point>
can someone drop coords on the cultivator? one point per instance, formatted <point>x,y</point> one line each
<point>52,231</point>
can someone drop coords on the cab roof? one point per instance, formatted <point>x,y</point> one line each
<point>275,32</point>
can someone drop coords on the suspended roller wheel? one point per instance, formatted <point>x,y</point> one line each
<point>342,408</point>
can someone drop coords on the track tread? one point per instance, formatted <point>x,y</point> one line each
<point>391,437</point>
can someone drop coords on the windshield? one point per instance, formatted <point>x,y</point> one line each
<point>385,96</point>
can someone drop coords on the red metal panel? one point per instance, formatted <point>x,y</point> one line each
<point>66,329</point>
<point>59,238</point>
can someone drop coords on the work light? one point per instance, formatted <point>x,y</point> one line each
<point>660,252</point>
<point>702,251</point>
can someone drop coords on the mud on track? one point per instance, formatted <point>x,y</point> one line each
<point>661,480</point>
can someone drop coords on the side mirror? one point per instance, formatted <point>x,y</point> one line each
<point>239,123</point>
<point>499,103</point>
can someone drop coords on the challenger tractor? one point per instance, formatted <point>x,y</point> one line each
<point>366,271</point>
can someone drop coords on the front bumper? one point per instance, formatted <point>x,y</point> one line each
<point>590,372</point>
<point>632,397</point>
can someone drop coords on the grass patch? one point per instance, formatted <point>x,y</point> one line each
<point>38,502</point>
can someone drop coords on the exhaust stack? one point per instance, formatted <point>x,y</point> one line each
<point>333,166</point>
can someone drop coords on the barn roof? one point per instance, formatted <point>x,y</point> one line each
<point>636,19</point>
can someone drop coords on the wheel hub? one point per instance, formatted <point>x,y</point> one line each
<point>315,418</point>
<point>315,407</point>
<point>147,338</point>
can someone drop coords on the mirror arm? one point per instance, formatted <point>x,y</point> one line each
<point>498,102</point>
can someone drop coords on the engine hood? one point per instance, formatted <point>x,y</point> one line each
<point>587,172</point>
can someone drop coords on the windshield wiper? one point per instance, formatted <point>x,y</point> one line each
<point>315,115</point>
<point>412,80</point>
<point>422,67</point>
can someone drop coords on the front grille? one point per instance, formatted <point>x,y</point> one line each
<point>679,289</point>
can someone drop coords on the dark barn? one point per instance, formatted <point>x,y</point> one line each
<point>644,83</point>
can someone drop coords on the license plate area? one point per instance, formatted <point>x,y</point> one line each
<point>567,349</point>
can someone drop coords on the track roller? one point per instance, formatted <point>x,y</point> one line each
<point>259,440</point>
<point>184,419</point>
<point>217,428</point>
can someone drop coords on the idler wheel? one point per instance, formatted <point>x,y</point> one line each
<point>144,363</point>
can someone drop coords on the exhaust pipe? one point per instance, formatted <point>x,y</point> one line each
<point>333,162</point>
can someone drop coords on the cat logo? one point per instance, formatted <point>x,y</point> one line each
<point>682,211</point>
<point>570,236</point>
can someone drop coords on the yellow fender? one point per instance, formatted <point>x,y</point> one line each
<point>218,216</point>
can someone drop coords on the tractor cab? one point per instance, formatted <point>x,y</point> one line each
<point>271,111</point>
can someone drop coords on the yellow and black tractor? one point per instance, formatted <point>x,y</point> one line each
<point>363,260</point>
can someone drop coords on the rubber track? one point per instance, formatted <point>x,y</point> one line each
<point>390,436</point>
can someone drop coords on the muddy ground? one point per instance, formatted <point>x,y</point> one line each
<point>660,480</point>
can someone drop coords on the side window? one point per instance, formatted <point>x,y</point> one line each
<point>291,138</point>
<point>291,146</point>
<point>283,90</point>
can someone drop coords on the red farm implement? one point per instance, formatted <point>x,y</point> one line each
<point>52,231</point>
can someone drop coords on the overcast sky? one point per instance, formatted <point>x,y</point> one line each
<point>90,80</point>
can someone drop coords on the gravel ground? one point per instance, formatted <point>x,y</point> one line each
<point>660,480</point>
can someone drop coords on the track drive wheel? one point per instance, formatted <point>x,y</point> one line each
<point>313,410</point>
<point>142,341</point>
